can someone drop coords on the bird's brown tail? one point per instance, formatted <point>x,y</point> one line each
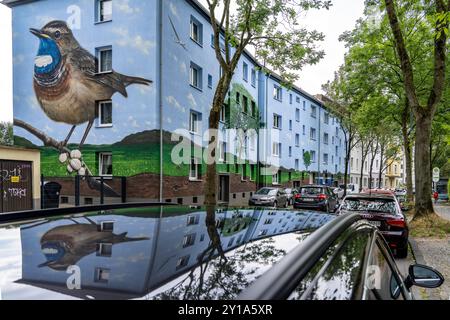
<point>127,80</point>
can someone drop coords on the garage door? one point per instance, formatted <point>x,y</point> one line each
<point>16,187</point>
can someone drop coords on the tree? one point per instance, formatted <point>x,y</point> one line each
<point>271,29</point>
<point>307,160</point>
<point>6,133</point>
<point>423,109</point>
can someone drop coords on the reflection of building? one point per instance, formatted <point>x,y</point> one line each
<point>124,257</point>
<point>170,43</point>
<point>395,173</point>
<point>356,160</point>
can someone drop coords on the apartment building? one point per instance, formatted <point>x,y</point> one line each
<point>164,53</point>
<point>356,161</point>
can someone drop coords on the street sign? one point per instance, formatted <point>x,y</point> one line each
<point>436,174</point>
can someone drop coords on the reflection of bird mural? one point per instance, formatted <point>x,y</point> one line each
<point>66,79</point>
<point>64,246</point>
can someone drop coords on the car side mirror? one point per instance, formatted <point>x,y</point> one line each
<point>424,276</point>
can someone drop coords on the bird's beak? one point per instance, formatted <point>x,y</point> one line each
<point>38,33</point>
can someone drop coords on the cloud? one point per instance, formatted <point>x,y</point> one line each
<point>172,101</point>
<point>33,103</point>
<point>124,6</point>
<point>183,67</point>
<point>173,9</point>
<point>48,129</point>
<point>137,42</point>
<point>18,59</point>
<point>191,100</point>
<point>133,122</point>
<point>43,20</point>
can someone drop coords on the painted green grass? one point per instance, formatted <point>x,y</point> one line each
<point>129,160</point>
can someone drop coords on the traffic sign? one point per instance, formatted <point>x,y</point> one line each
<point>436,174</point>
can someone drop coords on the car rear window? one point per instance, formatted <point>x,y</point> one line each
<point>267,191</point>
<point>372,205</point>
<point>311,191</point>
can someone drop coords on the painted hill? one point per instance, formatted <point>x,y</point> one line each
<point>25,143</point>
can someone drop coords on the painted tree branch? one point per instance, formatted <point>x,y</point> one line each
<point>59,146</point>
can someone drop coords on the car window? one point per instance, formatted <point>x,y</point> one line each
<point>374,205</point>
<point>382,281</point>
<point>338,274</point>
<point>311,191</point>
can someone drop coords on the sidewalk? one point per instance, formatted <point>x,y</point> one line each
<point>434,253</point>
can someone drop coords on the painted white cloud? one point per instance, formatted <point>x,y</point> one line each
<point>18,59</point>
<point>124,6</point>
<point>172,101</point>
<point>133,122</point>
<point>137,42</point>
<point>191,100</point>
<point>173,9</point>
<point>33,103</point>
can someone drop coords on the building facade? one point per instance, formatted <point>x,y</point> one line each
<point>159,103</point>
<point>356,161</point>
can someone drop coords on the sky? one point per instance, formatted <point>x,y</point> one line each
<point>339,18</point>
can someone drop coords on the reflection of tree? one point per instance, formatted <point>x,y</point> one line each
<point>6,133</point>
<point>218,277</point>
<point>341,276</point>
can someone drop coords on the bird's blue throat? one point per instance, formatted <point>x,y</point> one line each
<point>48,58</point>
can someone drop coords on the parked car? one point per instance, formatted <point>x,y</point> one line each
<point>290,195</point>
<point>273,197</point>
<point>384,212</point>
<point>316,197</point>
<point>314,255</point>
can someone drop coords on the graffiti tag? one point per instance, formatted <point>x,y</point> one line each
<point>17,193</point>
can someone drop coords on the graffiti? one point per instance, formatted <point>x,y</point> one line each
<point>74,280</point>
<point>9,175</point>
<point>16,193</point>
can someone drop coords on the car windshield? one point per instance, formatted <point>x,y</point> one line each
<point>267,191</point>
<point>372,205</point>
<point>311,190</point>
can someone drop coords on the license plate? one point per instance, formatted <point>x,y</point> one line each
<point>375,223</point>
<point>308,200</point>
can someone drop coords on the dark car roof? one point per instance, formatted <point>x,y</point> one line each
<point>148,252</point>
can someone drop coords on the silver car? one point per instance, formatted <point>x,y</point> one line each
<point>273,197</point>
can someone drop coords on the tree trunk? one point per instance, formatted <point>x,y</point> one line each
<point>407,149</point>
<point>380,173</point>
<point>424,204</point>
<point>373,154</point>
<point>347,161</point>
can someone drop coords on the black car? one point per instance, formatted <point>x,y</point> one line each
<point>384,212</point>
<point>192,253</point>
<point>316,197</point>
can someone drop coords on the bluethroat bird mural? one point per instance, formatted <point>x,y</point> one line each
<point>67,82</point>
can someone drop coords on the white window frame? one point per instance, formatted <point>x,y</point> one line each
<point>253,77</point>
<point>198,37</point>
<point>99,120</point>
<point>276,149</point>
<point>313,156</point>
<point>99,59</point>
<point>297,140</point>
<point>326,138</point>
<point>99,11</point>
<point>245,71</point>
<point>277,121</point>
<point>278,93</point>
<point>196,80</point>
<point>195,162</point>
<point>100,164</point>
<point>325,158</point>
<point>311,135</point>
<point>194,124</point>
<point>313,111</point>
<point>276,179</point>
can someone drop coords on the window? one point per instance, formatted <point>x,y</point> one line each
<point>276,149</point>
<point>312,134</point>
<point>196,31</point>
<point>277,93</point>
<point>297,164</point>
<point>326,118</point>
<point>210,81</point>
<point>290,152</point>
<point>252,172</point>
<point>276,121</point>
<point>253,108</point>
<point>102,275</point>
<point>297,140</point>
<point>304,105</point>
<point>223,113</point>
<point>195,170</point>
<point>313,156</point>
<point>313,111</point>
<point>351,163</point>
<point>182,262</point>
<point>291,98</point>
<point>106,226</point>
<point>104,58</point>
<point>238,98</point>
<point>297,99</point>
<point>223,152</point>
<point>244,172</point>
<point>189,240</point>
<point>325,158</point>
<point>245,104</point>
<point>104,10</point>
<point>325,138</point>
<point>104,249</point>
<point>304,130</point>
<point>297,115</point>
<point>245,71</point>
<point>290,125</point>
<point>337,131</point>
<point>105,114</point>
<point>336,151</point>
<point>332,140</point>
<point>194,122</point>
<point>254,77</point>
<point>105,164</point>
<point>192,220</point>
<point>276,178</point>
<point>196,76</point>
